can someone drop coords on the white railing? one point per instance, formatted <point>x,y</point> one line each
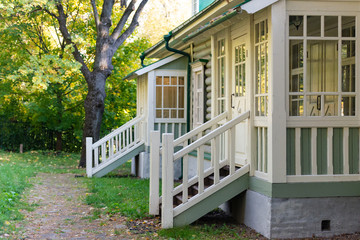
<point>323,154</point>
<point>111,147</point>
<point>169,156</point>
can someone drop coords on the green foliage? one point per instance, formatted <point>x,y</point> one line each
<point>41,87</point>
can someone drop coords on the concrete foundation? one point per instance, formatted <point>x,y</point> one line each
<point>297,217</point>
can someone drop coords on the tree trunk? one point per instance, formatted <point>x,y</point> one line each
<point>94,109</point>
<point>58,141</point>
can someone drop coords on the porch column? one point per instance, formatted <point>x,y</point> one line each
<point>277,94</point>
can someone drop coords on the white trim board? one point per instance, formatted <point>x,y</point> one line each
<point>153,66</point>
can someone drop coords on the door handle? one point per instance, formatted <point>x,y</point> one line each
<point>318,104</point>
<point>232,95</point>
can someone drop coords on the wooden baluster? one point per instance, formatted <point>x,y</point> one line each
<point>313,151</point>
<point>215,156</point>
<point>259,149</point>
<point>200,166</point>
<point>330,166</point>
<point>185,176</point>
<point>103,152</point>
<point>346,150</point>
<point>89,159</point>
<point>297,151</point>
<point>111,147</point>
<point>167,213</point>
<point>96,156</point>
<point>127,137</point>
<point>231,149</point>
<point>154,172</point>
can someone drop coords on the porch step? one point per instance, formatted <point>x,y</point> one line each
<point>118,160</point>
<point>210,203</point>
<point>208,181</point>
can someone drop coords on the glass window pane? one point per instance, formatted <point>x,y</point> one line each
<point>166,80</point>
<point>348,78</point>
<point>173,113</point>
<point>331,105</point>
<point>173,80</point>
<point>181,114</point>
<point>322,66</point>
<point>181,81</point>
<point>257,33</point>
<point>158,114</point>
<point>313,106</point>
<point>158,97</point>
<point>314,26</point>
<point>348,26</point>
<point>170,97</point>
<point>181,97</point>
<point>348,106</point>
<point>296,106</point>
<point>296,26</point>
<point>331,26</point>
<point>159,80</point>
<point>347,49</point>
<point>166,113</point>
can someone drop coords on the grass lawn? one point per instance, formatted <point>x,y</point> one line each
<point>116,193</point>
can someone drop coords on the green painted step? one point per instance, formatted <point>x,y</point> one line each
<point>213,201</point>
<point>136,151</point>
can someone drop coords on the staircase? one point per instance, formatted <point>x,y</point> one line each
<point>211,187</point>
<point>114,149</point>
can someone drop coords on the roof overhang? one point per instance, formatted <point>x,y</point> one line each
<point>217,8</point>
<point>153,66</point>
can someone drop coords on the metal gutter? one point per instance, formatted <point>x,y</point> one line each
<point>216,21</point>
<point>185,24</point>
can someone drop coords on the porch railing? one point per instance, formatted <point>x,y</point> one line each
<point>209,132</point>
<point>111,147</point>
<point>323,154</point>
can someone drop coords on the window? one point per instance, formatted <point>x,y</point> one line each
<point>221,76</point>
<point>198,92</point>
<point>240,70</point>
<point>261,68</point>
<point>170,100</point>
<point>322,66</point>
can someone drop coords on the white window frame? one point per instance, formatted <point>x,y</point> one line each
<point>171,73</point>
<point>221,57</point>
<point>198,93</point>
<point>322,119</point>
<point>258,95</point>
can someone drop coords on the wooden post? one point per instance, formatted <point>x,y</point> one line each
<point>154,172</point>
<point>89,156</point>
<point>167,212</point>
<point>21,148</point>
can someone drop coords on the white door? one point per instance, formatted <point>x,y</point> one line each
<point>238,97</point>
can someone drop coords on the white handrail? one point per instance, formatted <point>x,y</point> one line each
<point>200,128</point>
<point>119,130</point>
<point>211,135</point>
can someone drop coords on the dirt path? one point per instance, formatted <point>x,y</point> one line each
<point>62,214</point>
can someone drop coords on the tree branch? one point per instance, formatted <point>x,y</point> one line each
<point>131,28</point>
<point>96,14</point>
<point>119,27</point>
<point>65,33</point>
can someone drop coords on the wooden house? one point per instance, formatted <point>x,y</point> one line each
<point>254,103</point>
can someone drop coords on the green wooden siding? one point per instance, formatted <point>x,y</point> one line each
<point>290,151</point>
<point>321,153</point>
<point>305,151</point>
<point>179,64</point>
<point>204,3</point>
<point>338,151</point>
<point>354,151</point>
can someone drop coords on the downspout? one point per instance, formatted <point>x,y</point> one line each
<point>142,57</point>
<point>167,39</point>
